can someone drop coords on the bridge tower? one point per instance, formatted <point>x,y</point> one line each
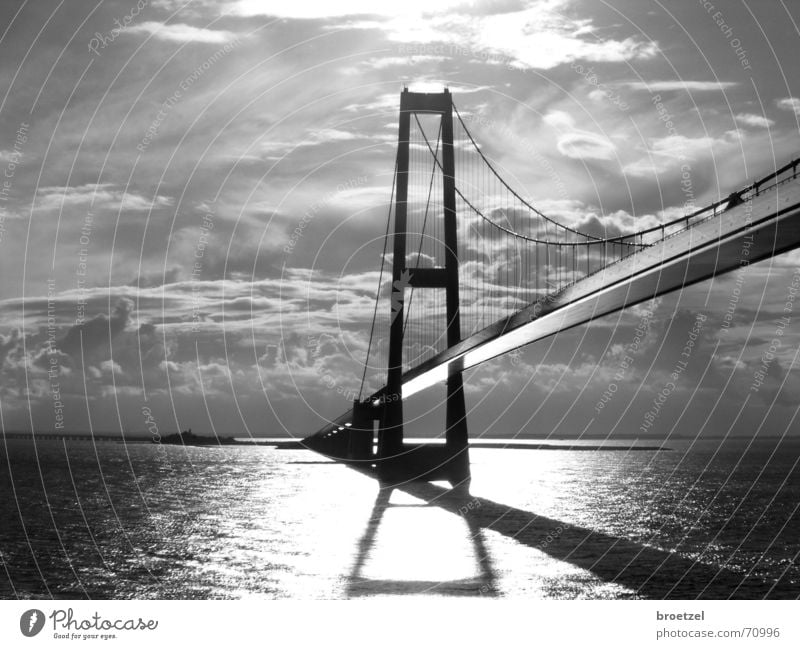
<point>393,457</point>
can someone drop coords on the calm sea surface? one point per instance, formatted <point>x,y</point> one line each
<point>109,520</point>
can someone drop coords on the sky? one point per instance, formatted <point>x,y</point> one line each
<point>195,193</point>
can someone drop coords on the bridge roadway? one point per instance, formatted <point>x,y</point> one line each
<point>761,227</point>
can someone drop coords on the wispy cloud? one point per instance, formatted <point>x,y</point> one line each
<point>402,61</point>
<point>789,103</point>
<point>757,121</point>
<point>664,86</point>
<point>317,10</point>
<point>577,143</point>
<point>663,153</point>
<point>98,196</point>
<point>542,36</point>
<point>183,33</point>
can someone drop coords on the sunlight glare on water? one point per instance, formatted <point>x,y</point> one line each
<point>141,521</point>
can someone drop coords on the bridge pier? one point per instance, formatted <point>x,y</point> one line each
<point>396,459</point>
<point>362,432</point>
<point>456,434</point>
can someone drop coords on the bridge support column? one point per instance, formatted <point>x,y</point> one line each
<point>394,459</point>
<point>362,432</point>
<point>456,435</point>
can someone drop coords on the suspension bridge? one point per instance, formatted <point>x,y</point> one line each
<point>478,271</point>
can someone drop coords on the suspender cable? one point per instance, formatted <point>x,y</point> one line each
<point>380,282</point>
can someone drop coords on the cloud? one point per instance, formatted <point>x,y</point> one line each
<point>436,85</point>
<point>402,61</point>
<point>680,146</point>
<point>542,36</point>
<point>182,33</point>
<point>97,196</point>
<point>664,153</point>
<point>318,10</point>
<point>789,103</point>
<point>9,343</point>
<point>96,333</point>
<point>322,137</point>
<point>8,155</point>
<point>583,145</point>
<point>664,86</point>
<point>576,143</point>
<point>757,121</point>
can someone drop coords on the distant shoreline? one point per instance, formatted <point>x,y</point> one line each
<point>287,443</point>
<point>206,441</point>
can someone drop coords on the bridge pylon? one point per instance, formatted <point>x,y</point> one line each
<point>394,459</point>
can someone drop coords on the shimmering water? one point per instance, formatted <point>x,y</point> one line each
<point>143,521</point>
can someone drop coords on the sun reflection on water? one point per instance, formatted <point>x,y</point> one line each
<point>255,522</point>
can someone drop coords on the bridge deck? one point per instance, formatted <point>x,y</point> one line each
<point>770,223</point>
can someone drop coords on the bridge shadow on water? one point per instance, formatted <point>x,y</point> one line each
<point>359,585</point>
<point>650,572</point>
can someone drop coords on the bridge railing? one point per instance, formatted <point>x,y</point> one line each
<point>769,182</point>
<point>642,239</point>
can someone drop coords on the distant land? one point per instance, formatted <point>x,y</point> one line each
<point>540,442</point>
<point>188,438</point>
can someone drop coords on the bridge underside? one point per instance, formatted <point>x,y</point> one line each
<point>755,230</point>
<point>764,226</point>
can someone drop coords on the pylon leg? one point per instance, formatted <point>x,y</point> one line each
<point>456,435</point>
